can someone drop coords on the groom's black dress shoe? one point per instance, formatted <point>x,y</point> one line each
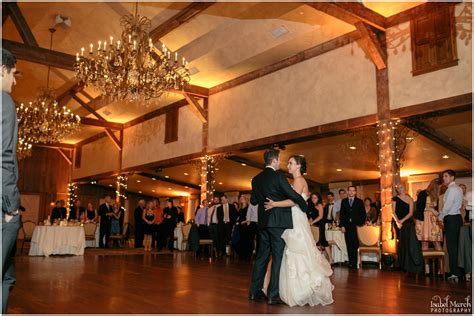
<point>275,301</point>
<point>259,296</point>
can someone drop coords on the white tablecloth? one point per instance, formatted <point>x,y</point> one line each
<point>178,233</point>
<point>57,240</point>
<point>339,250</point>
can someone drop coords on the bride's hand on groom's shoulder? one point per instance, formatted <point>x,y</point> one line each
<point>268,204</point>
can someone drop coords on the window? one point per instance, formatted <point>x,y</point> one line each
<point>171,126</point>
<point>433,40</point>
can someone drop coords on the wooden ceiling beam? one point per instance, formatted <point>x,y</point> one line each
<point>40,55</point>
<point>419,10</point>
<point>371,45</point>
<point>178,19</point>
<point>439,138</point>
<point>169,180</point>
<point>21,24</point>
<point>155,113</point>
<point>5,12</point>
<point>351,13</point>
<point>65,156</point>
<point>193,90</point>
<point>196,107</point>
<point>290,61</point>
<point>101,123</point>
<point>87,107</point>
<point>56,146</point>
<point>91,139</point>
<point>114,139</point>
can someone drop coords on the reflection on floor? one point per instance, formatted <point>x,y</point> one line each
<point>129,281</point>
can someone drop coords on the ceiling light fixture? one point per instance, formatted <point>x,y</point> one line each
<point>338,170</point>
<point>445,157</point>
<point>130,68</point>
<point>353,147</point>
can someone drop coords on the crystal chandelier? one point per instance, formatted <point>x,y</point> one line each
<point>43,120</point>
<point>130,68</point>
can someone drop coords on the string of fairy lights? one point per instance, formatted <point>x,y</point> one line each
<point>72,194</point>
<point>122,186</point>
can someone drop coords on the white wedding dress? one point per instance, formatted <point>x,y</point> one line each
<point>305,272</point>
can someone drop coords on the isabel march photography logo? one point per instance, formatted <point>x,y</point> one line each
<point>448,305</point>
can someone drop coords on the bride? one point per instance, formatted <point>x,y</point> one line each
<point>305,272</point>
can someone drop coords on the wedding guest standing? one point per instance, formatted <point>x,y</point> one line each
<point>115,221</point>
<point>201,220</point>
<point>352,214</point>
<point>323,218</point>
<point>252,222</point>
<point>105,215</point>
<point>77,211</point>
<point>91,213</point>
<point>213,230</point>
<point>371,214</point>
<point>169,222</point>
<point>337,204</point>
<point>410,256</point>
<point>180,216</point>
<point>330,208</point>
<point>59,212</point>
<point>451,217</point>
<point>427,226</point>
<point>245,245</point>
<point>158,239</point>
<point>226,218</point>
<point>149,220</point>
<point>139,224</point>
<point>10,193</point>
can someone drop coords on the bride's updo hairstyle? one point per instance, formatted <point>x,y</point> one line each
<point>300,160</point>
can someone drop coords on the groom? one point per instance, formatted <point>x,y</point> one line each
<point>271,224</point>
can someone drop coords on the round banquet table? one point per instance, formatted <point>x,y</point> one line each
<point>58,240</point>
<point>339,248</point>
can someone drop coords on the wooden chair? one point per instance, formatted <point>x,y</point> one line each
<point>121,237</point>
<point>89,230</point>
<point>185,231</point>
<point>28,227</point>
<point>437,256</point>
<point>209,243</point>
<point>315,232</point>
<point>369,241</point>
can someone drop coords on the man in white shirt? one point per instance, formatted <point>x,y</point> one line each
<point>212,220</point>
<point>451,217</point>
<point>337,204</point>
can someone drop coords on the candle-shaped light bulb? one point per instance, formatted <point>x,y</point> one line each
<point>82,51</point>
<point>183,61</point>
<point>186,64</point>
<point>105,46</point>
<point>77,56</point>
<point>129,38</point>
<point>134,45</point>
<point>111,40</point>
<point>169,54</point>
<point>163,48</point>
<point>176,56</point>
<point>100,43</point>
<point>92,46</point>
<point>118,44</point>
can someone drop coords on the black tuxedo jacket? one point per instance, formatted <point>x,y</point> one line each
<point>274,185</point>
<point>103,210</point>
<point>232,214</point>
<point>352,215</point>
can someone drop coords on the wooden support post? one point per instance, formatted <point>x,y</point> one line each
<point>195,107</point>
<point>65,156</point>
<point>387,161</point>
<point>207,177</point>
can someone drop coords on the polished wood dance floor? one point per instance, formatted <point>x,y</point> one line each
<point>128,281</point>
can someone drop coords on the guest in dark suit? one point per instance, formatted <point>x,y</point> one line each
<point>226,218</point>
<point>105,214</point>
<point>272,185</point>
<point>59,212</point>
<point>170,213</point>
<point>139,224</point>
<point>352,215</point>
<point>77,211</point>
<point>212,220</point>
<point>10,193</point>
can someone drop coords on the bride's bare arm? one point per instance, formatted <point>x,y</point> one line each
<point>285,203</point>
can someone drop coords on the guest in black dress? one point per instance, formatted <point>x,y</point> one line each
<point>77,211</point>
<point>244,247</point>
<point>139,223</point>
<point>91,213</point>
<point>169,222</point>
<point>320,221</point>
<point>180,216</point>
<point>59,212</point>
<point>149,228</point>
<point>410,256</point>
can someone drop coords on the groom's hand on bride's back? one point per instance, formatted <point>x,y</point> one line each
<point>268,204</point>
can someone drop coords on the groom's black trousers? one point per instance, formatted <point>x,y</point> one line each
<point>270,243</point>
